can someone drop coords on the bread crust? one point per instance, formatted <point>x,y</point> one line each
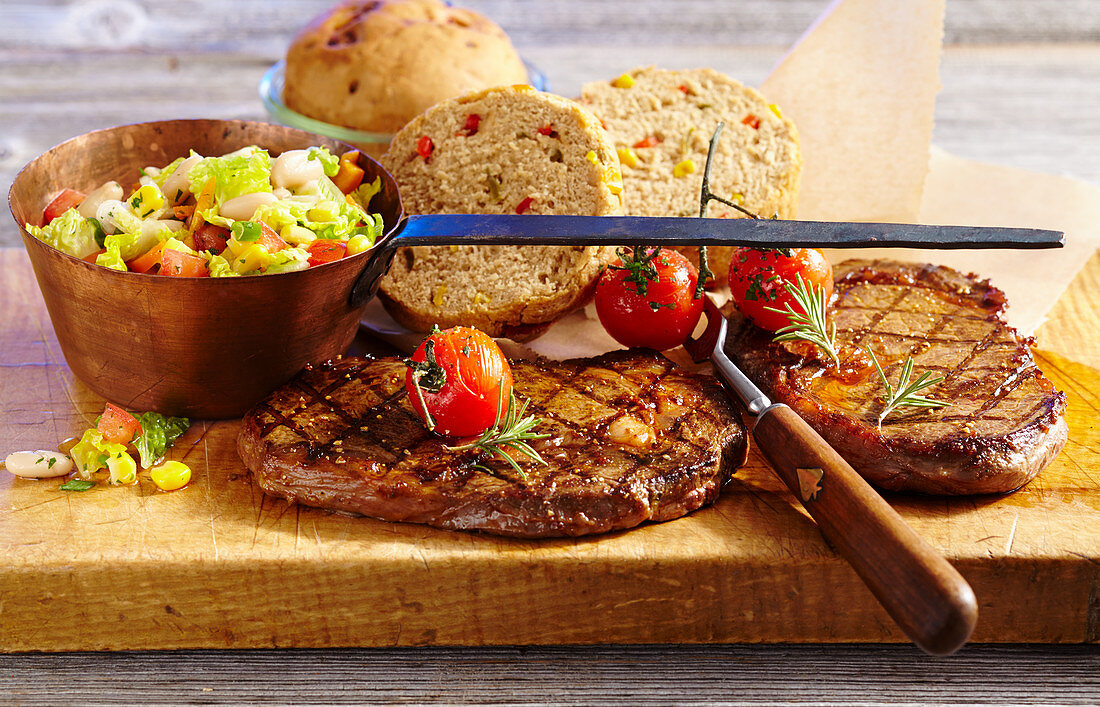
<point>375,64</point>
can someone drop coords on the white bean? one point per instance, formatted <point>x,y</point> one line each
<point>243,207</point>
<point>38,465</point>
<point>294,168</point>
<point>110,190</point>
<point>177,186</point>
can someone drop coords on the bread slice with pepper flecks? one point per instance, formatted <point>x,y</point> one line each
<point>661,122</point>
<point>506,150</point>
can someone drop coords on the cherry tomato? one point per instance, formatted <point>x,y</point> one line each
<point>117,425</point>
<point>757,279</point>
<point>664,316</point>
<point>326,250</point>
<point>475,375</point>
<point>211,237</point>
<point>67,199</point>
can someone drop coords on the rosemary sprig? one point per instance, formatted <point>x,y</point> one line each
<point>809,324</point>
<point>905,395</point>
<point>510,430</point>
<point>427,374</point>
<point>638,261</point>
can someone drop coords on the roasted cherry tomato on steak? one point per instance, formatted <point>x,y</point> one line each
<point>464,377</point>
<point>757,278</point>
<point>117,425</point>
<point>661,318</point>
<point>67,199</point>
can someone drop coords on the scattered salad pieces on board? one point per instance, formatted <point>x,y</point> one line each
<point>111,446</point>
<point>244,213</point>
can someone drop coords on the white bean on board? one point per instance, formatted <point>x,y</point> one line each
<point>41,464</point>
<point>294,169</point>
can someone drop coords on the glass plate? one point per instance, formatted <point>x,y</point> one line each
<point>271,94</point>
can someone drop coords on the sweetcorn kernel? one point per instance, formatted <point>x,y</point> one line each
<point>683,169</point>
<point>440,294</point>
<point>775,109</point>
<point>146,200</point>
<point>628,157</point>
<point>170,475</point>
<point>359,244</point>
<point>624,81</point>
<point>591,157</point>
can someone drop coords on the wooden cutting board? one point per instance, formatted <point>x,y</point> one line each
<point>220,565</point>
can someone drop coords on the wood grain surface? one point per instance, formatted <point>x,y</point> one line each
<point>1021,86</point>
<point>752,568</point>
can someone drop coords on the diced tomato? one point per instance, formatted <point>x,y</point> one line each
<point>176,263</point>
<point>148,260</point>
<point>326,250</point>
<point>269,239</point>
<point>90,257</point>
<point>67,199</point>
<point>752,121</point>
<point>548,131</point>
<point>524,205</point>
<point>351,174</point>
<point>117,425</point>
<point>650,141</point>
<point>473,120</point>
<point>424,147</point>
<point>211,237</point>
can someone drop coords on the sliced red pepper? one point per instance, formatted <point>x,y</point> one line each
<point>147,260</point>
<point>524,205</point>
<point>117,425</point>
<point>424,147</point>
<point>473,120</point>
<point>176,263</point>
<point>326,250</point>
<point>752,121</point>
<point>351,174</point>
<point>67,199</point>
<point>211,237</point>
<point>685,89</point>
<point>650,141</point>
<point>548,131</point>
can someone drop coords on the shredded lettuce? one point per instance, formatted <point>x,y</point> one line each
<point>70,233</point>
<point>92,453</point>
<point>157,435</point>
<point>219,267</point>
<point>236,174</point>
<point>329,162</point>
<point>366,192</point>
<point>113,257</point>
<point>288,260</point>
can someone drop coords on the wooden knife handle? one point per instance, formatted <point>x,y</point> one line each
<point>923,593</point>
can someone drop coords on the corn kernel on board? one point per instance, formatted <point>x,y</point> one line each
<point>219,565</point>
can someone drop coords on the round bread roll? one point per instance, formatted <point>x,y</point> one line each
<point>504,150</point>
<point>373,65</point>
<point>661,122</point>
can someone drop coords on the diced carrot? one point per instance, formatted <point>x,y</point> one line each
<point>117,425</point>
<point>147,260</point>
<point>202,203</point>
<point>649,141</point>
<point>176,263</point>
<point>92,256</point>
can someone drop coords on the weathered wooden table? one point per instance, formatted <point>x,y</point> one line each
<point>1021,87</point>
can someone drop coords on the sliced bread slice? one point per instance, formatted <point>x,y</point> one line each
<point>507,150</point>
<point>661,122</point>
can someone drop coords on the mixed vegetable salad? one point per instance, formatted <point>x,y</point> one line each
<point>244,213</point>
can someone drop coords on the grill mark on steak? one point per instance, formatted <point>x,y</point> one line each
<point>1005,421</point>
<point>343,436</point>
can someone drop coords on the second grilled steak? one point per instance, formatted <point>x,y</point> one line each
<point>1004,422</point>
<point>632,438</point>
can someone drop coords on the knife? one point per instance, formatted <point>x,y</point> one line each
<point>498,229</point>
<point>927,597</point>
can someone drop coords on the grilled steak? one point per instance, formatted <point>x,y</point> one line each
<point>1005,420</point>
<point>632,438</point>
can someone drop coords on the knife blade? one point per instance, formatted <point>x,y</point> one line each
<point>535,229</point>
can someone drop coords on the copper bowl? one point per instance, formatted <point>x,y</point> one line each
<point>198,347</point>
